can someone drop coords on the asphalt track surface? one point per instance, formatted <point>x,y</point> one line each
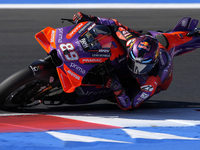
<point>18,49</point>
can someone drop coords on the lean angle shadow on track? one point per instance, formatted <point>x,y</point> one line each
<point>104,106</point>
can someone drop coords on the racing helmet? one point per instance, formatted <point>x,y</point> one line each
<point>143,55</point>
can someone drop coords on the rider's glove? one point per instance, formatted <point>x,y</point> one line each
<point>80,17</point>
<point>123,100</point>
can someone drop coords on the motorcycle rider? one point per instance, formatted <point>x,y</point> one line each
<point>149,62</point>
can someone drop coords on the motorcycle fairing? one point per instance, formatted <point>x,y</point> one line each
<point>46,38</point>
<point>69,79</point>
<point>77,60</point>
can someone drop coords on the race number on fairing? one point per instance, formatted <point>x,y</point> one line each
<point>72,55</point>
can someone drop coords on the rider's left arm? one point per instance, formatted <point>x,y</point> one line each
<point>123,101</point>
<point>147,90</point>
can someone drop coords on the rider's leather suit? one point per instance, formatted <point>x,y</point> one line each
<point>132,91</point>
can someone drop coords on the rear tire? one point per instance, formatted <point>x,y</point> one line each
<point>11,86</point>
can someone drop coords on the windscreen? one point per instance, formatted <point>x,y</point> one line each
<point>99,37</point>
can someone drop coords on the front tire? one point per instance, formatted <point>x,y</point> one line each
<point>10,87</point>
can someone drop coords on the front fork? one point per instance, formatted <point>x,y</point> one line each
<point>45,71</point>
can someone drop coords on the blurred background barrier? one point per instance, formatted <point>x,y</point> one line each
<point>105,4</point>
<point>93,1</point>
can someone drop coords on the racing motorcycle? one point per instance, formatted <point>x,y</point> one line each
<point>78,63</point>
<point>80,60</point>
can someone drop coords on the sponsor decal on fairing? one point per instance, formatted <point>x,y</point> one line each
<point>78,68</point>
<point>92,60</point>
<point>37,68</point>
<point>53,36</point>
<point>104,50</point>
<point>60,35</point>
<point>84,43</point>
<point>84,27</point>
<point>100,55</point>
<point>75,30</point>
<point>79,46</point>
<point>92,26</point>
<point>73,74</point>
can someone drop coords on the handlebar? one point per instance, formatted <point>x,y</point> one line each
<point>69,20</point>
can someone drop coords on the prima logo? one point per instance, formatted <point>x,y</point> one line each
<point>78,68</point>
<point>60,35</point>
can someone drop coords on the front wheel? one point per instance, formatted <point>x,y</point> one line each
<point>13,90</point>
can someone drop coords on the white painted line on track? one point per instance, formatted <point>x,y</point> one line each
<point>79,138</point>
<point>152,135</point>
<point>180,117</point>
<point>16,114</point>
<point>185,122</point>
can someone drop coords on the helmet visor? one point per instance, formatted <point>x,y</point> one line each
<point>140,68</point>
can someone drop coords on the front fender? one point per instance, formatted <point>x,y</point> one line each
<point>43,70</point>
